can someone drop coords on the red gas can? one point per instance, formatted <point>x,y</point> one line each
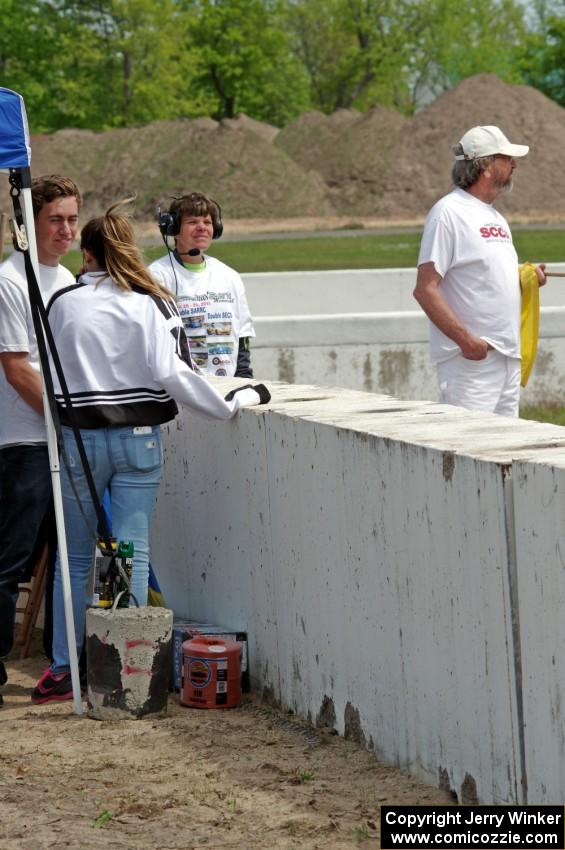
<point>211,673</point>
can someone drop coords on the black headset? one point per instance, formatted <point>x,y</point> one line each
<point>169,223</point>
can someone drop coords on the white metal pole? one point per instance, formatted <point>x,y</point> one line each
<point>3,222</point>
<point>27,208</point>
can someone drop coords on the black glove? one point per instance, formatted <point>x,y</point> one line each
<point>260,389</point>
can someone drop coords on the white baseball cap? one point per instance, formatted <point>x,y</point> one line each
<point>488,141</point>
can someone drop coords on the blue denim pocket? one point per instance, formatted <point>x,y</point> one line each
<point>71,449</point>
<point>143,451</point>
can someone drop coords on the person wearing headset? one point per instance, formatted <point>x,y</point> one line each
<point>126,363</point>
<point>210,296</point>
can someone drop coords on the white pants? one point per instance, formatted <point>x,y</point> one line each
<point>492,384</point>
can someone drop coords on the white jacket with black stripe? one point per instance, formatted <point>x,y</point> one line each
<point>125,358</point>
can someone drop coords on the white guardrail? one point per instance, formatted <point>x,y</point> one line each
<point>363,330</point>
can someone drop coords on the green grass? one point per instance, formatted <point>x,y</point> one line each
<point>537,246</point>
<point>361,832</point>
<point>102,819</point>
<point>553,413</point>
<point>316,254</point>
<point>343,252</point>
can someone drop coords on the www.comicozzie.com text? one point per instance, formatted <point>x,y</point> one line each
<point>518,826</point>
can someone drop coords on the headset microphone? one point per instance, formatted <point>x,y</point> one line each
<point>170,223</point>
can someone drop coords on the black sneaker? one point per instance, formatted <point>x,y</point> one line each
<point>52,687</point>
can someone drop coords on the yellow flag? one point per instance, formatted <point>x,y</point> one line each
<point>529,328</point>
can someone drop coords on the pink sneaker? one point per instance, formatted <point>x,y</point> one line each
<point>52,687</point>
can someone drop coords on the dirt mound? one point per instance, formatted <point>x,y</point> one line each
<point>424,157</point>
<point>241,121</point>
<point>374,165</point>
<point>384,165</point>
<point>351,151</point>
<point>230,160</point>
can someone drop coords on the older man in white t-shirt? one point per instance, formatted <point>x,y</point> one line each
<point>468,280</point>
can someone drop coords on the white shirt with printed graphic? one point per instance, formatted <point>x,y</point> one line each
<point>213,306</point>
<point>470,245</point>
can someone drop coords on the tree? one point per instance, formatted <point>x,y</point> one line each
<point>98,63</point>
<point>125,62</point>
<point>454,40</point>
<point>355,51</point>
<point>404,53</point>
<point>543,56</point>
<point>28,54</point>
<point>113,63</point>
<point>244,62</point>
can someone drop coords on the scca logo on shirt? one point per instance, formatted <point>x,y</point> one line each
<point>494,230</point>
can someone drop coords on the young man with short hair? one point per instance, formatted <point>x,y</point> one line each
<point>25,479</point>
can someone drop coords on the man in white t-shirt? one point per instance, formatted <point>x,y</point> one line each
<point>25,478</point>
<point>210,295</point>
<point>468,280</point>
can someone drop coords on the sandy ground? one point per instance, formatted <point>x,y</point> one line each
<point>250,778</point>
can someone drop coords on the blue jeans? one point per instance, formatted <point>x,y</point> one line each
<point>25,497</point>
<point>130,464</point>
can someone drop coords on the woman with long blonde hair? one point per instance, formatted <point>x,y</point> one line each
<point>126,363</point>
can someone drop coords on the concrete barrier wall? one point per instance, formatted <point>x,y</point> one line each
<point>368,546</point>
<point>539,493</point>
<point>362,330</point>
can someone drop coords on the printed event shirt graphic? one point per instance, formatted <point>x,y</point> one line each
<point>208,322</point>
<point>214,310</point>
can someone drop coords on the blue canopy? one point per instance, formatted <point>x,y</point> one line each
<point>15,151</point>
